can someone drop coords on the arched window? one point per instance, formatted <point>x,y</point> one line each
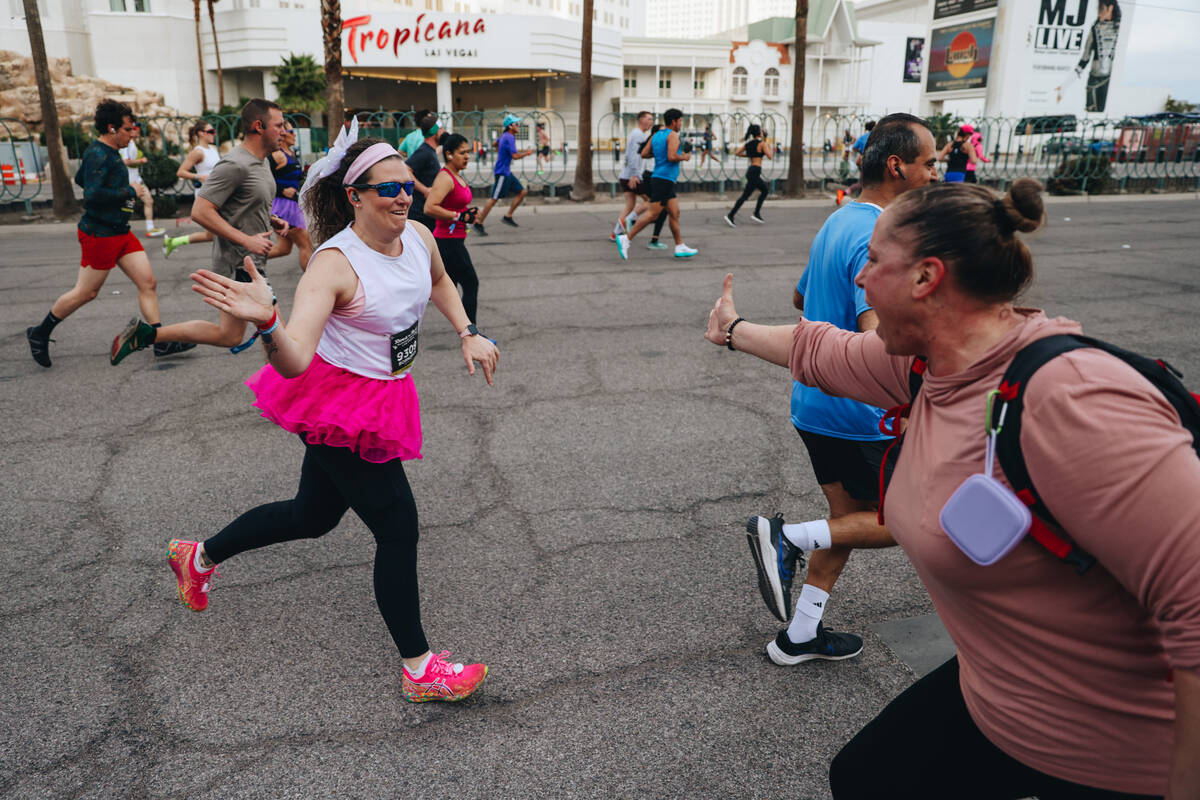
<point>741,79</point>
<point>771,82</point>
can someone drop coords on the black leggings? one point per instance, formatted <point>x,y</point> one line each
<point>333,479</point>
<point>925,746</point>
<point>460,269</point>
<point>754,180</point>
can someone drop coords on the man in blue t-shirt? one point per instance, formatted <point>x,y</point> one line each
<point>842,436</point>
<point>505,184</point>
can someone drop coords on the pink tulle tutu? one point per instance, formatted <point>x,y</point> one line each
<point>379,420</point>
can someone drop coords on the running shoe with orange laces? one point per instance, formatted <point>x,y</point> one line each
<point>443,680</point>
<point>193,584</point>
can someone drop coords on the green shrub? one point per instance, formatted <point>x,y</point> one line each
<point>75,139</point>
<point>158,173</point>
<point>165,206</point>
<point>1090,173</point>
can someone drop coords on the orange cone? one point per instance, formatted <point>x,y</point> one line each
<point>841,195</point>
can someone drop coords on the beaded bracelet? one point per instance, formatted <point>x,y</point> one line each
<point>729,332</point>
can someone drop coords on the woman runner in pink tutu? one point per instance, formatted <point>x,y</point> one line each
<point>338,375</point>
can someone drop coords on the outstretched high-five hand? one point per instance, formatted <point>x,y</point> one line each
<point>723,313</point>
<point>252,302</point>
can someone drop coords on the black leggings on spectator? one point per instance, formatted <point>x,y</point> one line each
<point>925,746</point>
<point>333,479</point>
<point>460,269</point>
<point>754,180</point>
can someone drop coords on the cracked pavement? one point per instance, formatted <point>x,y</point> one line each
<point>582,530</point>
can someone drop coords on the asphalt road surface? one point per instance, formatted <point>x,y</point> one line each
<point>582,531</point>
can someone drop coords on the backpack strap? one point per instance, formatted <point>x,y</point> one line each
<point>1008,444</point>
<point>891,425</point>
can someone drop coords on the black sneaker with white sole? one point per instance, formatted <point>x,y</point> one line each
<point>776,560</point>
<point>826,646</point>
<point>509,221</point>
<point>39,346</point>
<point>729,220</point>
<point>758,219</point>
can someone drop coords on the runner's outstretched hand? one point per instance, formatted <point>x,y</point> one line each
<point>252,302</point>
<point>482,349</point>
<point>722,314</point>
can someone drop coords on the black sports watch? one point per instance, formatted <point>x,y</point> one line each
<point>470,330</point>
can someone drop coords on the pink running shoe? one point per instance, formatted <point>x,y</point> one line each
<point>193,584</point>
<point>443,680</point>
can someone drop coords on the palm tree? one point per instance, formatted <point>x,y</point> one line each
<point>795,174</point>
<point>64,194</point>
<point>200,58</point>
<point>217,48</point>
<point>331,29</point>
<point>583,188</point>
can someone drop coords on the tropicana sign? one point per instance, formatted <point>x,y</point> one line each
<point>421,31</point>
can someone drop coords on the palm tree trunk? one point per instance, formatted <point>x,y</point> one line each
<point>795,173</point>
<point>200,58</point>
<point>212,23</point>
<point>331,28</point>
<point>64,194</point>
<point>584,189</point>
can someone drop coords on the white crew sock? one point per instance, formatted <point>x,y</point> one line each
<point>808,536</point>
<point>631,218</point>
<point>809,609</point>
<point>618,228</point>
<point>419,672</point>
<point>196,561</point>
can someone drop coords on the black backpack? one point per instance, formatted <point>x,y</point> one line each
<point>1008,441</point>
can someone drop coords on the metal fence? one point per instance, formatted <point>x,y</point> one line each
<point>1068,154</point>
<point>21,164</point>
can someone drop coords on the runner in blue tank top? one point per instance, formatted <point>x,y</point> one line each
<point>668,151</point>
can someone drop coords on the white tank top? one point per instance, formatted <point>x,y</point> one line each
<point>381,342</point>
<point>211,157</point>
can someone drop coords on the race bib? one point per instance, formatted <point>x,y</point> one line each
<point>404,349</point>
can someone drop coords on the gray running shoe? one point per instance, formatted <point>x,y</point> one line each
<point>171,348</point>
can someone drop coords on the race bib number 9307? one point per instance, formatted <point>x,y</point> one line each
<point>404,349</point>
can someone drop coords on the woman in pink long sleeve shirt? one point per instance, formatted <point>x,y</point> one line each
<point>1064,686</point>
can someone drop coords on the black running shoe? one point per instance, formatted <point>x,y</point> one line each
<point>827,646</point>
<point>39,346</point>
<point>171,348</point>
<point>478,228</point>
<point>776,559</point>
<point>509,221</point>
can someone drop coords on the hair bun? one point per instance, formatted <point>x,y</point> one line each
<point>1023,205</point>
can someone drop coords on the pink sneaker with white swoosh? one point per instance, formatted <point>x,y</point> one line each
<point>443,680</point>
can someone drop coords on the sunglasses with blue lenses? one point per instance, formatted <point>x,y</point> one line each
<point>389,189</point>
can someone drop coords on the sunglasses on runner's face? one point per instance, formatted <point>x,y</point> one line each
<point>389,189</point>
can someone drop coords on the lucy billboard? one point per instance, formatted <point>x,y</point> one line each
<point>959,57</point>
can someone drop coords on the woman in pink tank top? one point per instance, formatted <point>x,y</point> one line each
<point>360,304</point>
<point>448,202</point>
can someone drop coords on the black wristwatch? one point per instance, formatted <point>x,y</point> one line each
<point>470,330</point>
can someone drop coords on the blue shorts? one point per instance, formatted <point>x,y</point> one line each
<point>956,177</point>
<point>504,186</point>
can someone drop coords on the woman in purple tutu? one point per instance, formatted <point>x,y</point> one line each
<point>288,175</point>
<point>338,374</point>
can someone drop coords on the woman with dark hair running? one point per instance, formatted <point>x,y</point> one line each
<point>286,170</point>
<point>196,166</point>
<point>756,151</point>
<point>338,375</point>
<point>448,201</point>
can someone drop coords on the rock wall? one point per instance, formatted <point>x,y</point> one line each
<point>76,96</point>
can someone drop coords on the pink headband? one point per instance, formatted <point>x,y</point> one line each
<point>367,159</point>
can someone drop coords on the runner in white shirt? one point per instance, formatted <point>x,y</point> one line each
<point>134,158</point>
<point>632,186</point>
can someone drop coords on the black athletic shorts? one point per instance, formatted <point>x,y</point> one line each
<point>661,190</point>
<point>643,187</point>
<point>545,150</point>
<point>852,463</point>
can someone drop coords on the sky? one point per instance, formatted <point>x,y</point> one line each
<point>1165,48</point>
